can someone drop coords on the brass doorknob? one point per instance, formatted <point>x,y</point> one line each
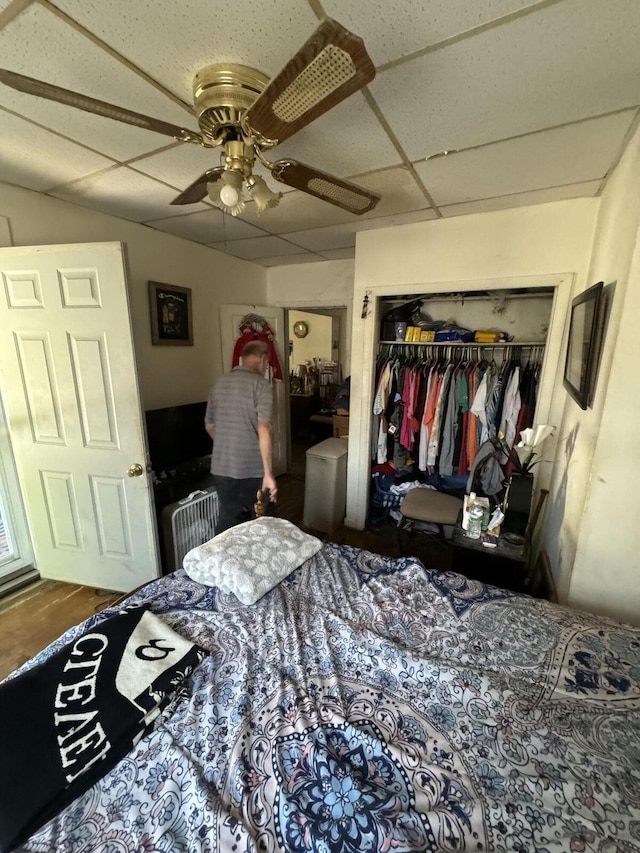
<point>136,470</point>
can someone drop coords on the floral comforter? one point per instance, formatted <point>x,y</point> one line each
<point>366,704</point>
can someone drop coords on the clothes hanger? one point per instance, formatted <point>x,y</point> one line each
<point>256,321</point>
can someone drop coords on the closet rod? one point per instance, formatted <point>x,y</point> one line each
<point>500,345</point>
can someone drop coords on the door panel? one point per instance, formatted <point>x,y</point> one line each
<point>68,375</point>
<point>230,319</point>
<point>90,365</point>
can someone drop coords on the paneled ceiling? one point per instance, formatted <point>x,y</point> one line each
<point>535,102</point>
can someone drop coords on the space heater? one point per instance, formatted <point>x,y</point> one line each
<point>187,524</point>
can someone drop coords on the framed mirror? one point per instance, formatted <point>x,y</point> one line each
<point>583,350</point>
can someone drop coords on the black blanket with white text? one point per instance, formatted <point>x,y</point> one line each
<point>68,721</point>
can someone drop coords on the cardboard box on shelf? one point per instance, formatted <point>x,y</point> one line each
<point>340,426</point>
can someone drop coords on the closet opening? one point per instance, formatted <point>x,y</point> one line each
<point>499,324</point>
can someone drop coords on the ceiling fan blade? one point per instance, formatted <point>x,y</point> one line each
<point>328,68</point>
<point>198,189</point>
<point>91,105</point>
<point>344,194</point>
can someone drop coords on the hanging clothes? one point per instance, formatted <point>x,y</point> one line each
<point>255,328</point>
<point>440,411</point>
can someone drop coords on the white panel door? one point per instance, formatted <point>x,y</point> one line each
<point>230,319</point>
<point>69,383</point>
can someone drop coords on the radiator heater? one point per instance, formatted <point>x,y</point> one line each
<point>187,524</point>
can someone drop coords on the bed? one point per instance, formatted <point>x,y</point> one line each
<point>368,704</point>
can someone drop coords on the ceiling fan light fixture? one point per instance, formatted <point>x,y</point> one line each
<point>229,196</point>
<point>263,196</point>
<point>240,110</point>
<point>226,193</point>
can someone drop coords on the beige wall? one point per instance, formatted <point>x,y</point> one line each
<point>168,375</point>
<point>598,534</point>
<point>317,343</point>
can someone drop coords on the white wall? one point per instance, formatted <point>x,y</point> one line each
<point>526,317</point>
<point>326,284</point>
<point>168,375</point>
<point>599,534</point>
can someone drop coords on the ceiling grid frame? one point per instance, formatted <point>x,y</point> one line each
<point>616,102</point>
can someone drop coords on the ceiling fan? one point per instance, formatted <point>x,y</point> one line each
<point>245,114</point>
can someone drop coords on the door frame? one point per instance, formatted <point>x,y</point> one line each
<point>311,305</point>
<point>365,338</point>
<point>20,569</point>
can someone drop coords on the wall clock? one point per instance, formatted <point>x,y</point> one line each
<point>300,329</point>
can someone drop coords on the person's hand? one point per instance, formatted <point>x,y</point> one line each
<point>269,482</point>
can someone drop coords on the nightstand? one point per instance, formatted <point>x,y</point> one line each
<point>506,565</point>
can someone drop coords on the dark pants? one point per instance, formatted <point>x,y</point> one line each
<point>236,499</point>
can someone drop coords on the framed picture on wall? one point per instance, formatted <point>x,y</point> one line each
<point>170,307</point>
<point>583,350</point>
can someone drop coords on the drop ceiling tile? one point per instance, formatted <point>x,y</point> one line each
<point>179,166</point>
<point>207,226</point>
<point>347,140</point>
<point>299,211</point>
<point>399,190</point>
<point>566,155</point>
<point>395,219</point>
<point>34,158</point>
<point>122,192</point>
<point>390,31</point>
<point>539,71</point>
<point>296,211</point>
<point>4,4</point>
<point>586,189</point>
<point>288,260</point>
<point>343,236</point>
<point>339,254</point>
<point>258,247</point>
<point>172,41</point>
<point>37,43</point>
<point>324,239</point>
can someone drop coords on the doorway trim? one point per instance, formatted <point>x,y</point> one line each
<point>319,304</point>
<point>306,305</point>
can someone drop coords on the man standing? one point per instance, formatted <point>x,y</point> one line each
<point>238,419</point>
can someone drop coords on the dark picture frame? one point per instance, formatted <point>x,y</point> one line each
<point>171,320</point>
<point>583,348</point>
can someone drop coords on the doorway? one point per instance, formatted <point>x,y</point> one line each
<point>317,361</point>
<point>366,336</point>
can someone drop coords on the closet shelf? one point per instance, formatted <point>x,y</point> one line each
<point>497,345</point>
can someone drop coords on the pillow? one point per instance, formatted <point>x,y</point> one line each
<point>251,558</point>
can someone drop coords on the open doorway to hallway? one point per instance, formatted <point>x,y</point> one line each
<point>317,364</point>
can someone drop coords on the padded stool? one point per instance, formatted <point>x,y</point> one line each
<point>430,506</point>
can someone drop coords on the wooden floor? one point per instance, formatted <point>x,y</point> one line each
<point>33,617</point>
